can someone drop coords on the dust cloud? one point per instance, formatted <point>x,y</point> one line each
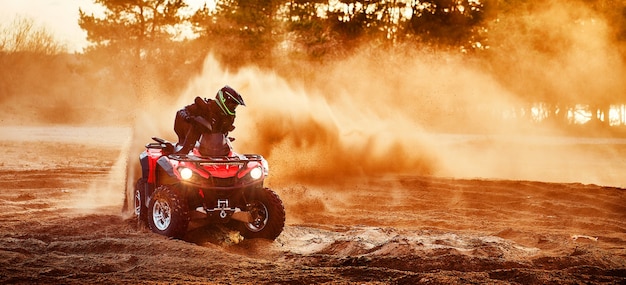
<point>562,51</point>
<point>106,192</point>
<point>424,112</point>
<point>369,117</point>
<point>409,110</point>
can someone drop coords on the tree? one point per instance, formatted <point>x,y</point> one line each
<point>454,23</point>
<point>140,24</point>
<point>449,23</point>
<point>27,53</point>
<point>24,36</point>
<point>140,34</point>
<point>241,31</point>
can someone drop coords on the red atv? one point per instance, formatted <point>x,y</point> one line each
<point>226,188</point>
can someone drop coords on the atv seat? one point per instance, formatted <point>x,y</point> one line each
<point>213,145</point>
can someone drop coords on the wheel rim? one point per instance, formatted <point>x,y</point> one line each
<point>261,216</point>
<point>137,203</point>
<point>161,215</point>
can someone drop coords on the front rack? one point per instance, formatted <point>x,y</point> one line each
<point>216,159</point>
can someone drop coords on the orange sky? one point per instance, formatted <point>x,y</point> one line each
<point>60,17</point>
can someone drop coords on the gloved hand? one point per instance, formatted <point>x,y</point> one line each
<point>185,116</point>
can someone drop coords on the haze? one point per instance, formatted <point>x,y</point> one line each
<point>415,111</point>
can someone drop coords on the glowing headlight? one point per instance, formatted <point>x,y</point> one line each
<point>256,173</point>
<point>185,173</point>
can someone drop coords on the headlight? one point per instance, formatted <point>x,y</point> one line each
<point>256,173</point>
<point>185,173</point>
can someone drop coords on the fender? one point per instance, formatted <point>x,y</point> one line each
<point>145,165</point>
<point>164,172</point>
<point>149,167</point>
<point>164,162</point>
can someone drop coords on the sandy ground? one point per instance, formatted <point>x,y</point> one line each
<point>61,200</point>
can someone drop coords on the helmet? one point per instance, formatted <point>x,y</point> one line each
<point>228,99</point>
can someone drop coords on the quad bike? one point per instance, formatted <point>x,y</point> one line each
<point>211,183</point>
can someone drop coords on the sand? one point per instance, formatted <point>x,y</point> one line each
<point>62,223</point>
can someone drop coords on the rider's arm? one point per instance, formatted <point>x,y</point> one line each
<point>229,124</point>
<point>203,107</point>
<point>193,110</point>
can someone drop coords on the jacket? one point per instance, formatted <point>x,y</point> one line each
<point>210,111</point>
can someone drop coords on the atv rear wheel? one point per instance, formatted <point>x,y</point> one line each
<point>268,214</point>
<point>141,212</point>
<point>167,213</point>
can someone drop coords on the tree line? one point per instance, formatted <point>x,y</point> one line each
<point>164,41</point>
<point>315,28</point>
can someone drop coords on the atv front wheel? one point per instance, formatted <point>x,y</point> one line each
<point>268,214</point>
<point>167,213</point>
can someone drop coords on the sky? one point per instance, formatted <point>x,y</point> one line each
<point>59,17</point>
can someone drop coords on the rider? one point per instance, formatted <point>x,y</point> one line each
<point>220,113</point>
